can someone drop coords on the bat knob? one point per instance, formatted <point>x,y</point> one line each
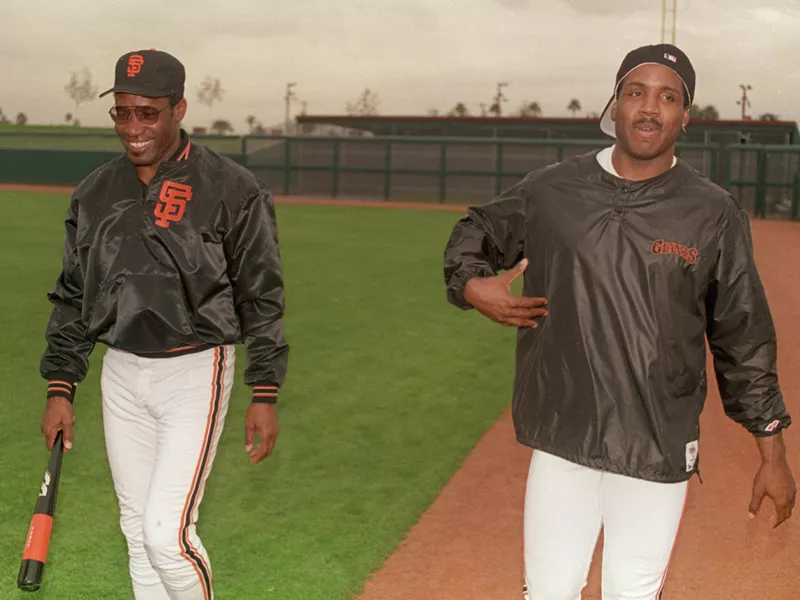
<point>30,575</point>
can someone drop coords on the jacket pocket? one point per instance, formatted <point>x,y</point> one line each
<point>102,307</point>
<point>142,310</point>
<point>683,357</point>
<point>681,377</point>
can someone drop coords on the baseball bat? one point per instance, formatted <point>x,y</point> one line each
<point>34,555</point>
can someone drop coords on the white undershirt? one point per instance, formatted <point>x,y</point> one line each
<point>604,158</point>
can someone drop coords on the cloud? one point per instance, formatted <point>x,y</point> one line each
<point>416,54</point>
<point>616,8</point>
<point>515,4</point>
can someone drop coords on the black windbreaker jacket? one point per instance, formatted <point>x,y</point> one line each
<point>637,276</point>
<point>191,260</point>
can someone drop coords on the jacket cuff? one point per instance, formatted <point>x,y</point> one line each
<point>265,394</point>
<point>772,427</point>
<point>62,385</point>
<point>455,292</point>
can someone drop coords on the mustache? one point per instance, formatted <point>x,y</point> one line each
<point>648,121</point>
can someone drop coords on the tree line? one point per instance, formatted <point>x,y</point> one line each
<point>210,92</point>
<point>366,104</point>
<point>534,110</point>
<point>20,119</point>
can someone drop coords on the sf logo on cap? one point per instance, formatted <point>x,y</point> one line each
<point>135,63</point>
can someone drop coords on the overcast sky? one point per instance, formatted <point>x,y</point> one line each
<point>416,54</point>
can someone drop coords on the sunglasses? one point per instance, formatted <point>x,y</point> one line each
<point>148,115</point>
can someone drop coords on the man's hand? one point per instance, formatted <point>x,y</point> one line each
<point>58,416</point>
<point>492,296</point>
<point>773,479</point>
<point>261,419</point>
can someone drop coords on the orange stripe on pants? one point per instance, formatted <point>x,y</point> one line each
<point>188,551</point>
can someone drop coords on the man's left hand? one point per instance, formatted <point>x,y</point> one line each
<point>774,479</point>
<point>261,419</point>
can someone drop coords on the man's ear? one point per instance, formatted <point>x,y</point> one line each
<point>180,110</point>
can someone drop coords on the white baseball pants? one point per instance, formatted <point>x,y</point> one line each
<point>565,507</point>
<point>163,418</point>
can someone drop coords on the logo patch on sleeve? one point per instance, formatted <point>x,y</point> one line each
<point>691,456</point>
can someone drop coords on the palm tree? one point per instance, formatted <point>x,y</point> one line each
<point>574,107</point>
<point>251,122</point>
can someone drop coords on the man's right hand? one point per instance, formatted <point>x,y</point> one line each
<point>492,296</point>
<point>58,416</point>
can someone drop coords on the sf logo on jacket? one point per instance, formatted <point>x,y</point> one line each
<point>660,246</point>
<point>172,203</point>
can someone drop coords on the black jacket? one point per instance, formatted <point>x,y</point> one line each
<point>189,261</point>
<point>637,276</point>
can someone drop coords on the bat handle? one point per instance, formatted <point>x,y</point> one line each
<point>34,555</point>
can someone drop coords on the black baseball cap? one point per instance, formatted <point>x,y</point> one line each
<point>655,54</point>
<point>151,73</point>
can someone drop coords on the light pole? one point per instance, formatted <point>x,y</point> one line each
<point>290,95</point>
<point>669,11</point>
<point>744,102</point>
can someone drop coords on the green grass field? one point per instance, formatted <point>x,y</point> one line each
<point>389,387</point>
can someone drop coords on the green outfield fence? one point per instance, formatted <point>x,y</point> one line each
<point>766,179</point>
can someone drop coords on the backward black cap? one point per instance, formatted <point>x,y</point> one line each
<point>151,73</point>
<point>667,55</point>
